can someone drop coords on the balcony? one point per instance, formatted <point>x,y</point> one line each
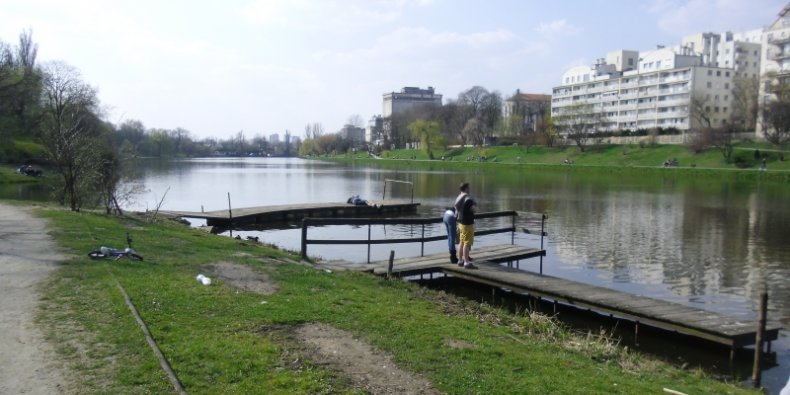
<point>671,114</point>
<point>673,91</point>
<point>673,102</point>
<point>779,40</point>
<point>651,81</point>
<point>646,105</point>
<point>780,55</point>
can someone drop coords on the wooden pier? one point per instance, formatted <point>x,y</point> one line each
<point>290,212</point>
<point>719,328</point>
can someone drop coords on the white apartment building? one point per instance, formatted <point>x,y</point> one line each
<point>776,58</point>
<point>658,88</point>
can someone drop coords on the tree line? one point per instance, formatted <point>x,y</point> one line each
<point>50,115</point>
<point>475,117</point>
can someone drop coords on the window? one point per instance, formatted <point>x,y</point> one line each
<point>727,74</point>
<point>630,61</point>
<point>715,109</point>
<point>726,85</point>
<point>724,110</point>
<point>710,72</point>
<point>726,97</point>
<point>718,72</point>
<point>710,84</point>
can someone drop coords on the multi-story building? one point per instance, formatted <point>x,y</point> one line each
<point>683,87</point>
<point>375,130</point>
<point>355,134</point>
<point>530,108</point>
<point>409,98</point>
<point>776,59</point>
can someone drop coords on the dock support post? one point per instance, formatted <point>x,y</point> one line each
<point>304,239</point>
<point>230,216</point>
<point>542,232</point>
<point>636,332</point>
<point>389,265</point>
<point>368,243</point>
<point>513,233</point>
<point>422,242</point>
<point>758,341</point>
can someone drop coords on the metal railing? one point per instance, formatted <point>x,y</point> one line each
<point>369,241</point>
<point>386,180</point>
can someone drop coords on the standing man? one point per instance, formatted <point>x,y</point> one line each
<point>450,224</point>
<point>465,208</point>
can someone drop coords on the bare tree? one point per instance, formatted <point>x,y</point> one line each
<point>356,120</point>
<point>313,130</point>
<point>744,103</point>
<point>701,111</point>
<point>473,98</point>
<point>453,119</point>
<point>776,121</point>
<point>579,122</point>
<point>475,131</point>
<point>490,111</point>
<point>775,111</point>
<point>179,136</point>
<point>69,130</point>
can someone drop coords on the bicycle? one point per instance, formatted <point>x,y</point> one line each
<point>108,252</point>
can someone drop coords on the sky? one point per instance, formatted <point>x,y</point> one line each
<point>266,66</point>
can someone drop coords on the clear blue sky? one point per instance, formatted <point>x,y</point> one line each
<point>264,66</point>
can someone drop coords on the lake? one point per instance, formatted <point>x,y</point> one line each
<point>699,241</point>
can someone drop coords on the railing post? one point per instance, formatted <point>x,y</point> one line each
<point>542,232</point>
<point>758,341</point>
<point>368,243</point>
<point>304,238</point>
<point>513,225</point>
<point>389,265</point>
<point>422,242</point>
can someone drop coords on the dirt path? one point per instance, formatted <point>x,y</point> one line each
<point>27,255</point>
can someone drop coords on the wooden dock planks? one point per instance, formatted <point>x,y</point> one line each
<point>658,313</point>
<point>283,212</point>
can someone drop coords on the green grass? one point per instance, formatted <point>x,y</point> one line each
<point>9,175</point>
<point>215,340</point>
<point>647,158</point>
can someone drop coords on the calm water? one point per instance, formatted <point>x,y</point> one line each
<point>701,242</point>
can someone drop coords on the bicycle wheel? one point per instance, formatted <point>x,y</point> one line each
<point>135,257</point>
<point>96,255</point>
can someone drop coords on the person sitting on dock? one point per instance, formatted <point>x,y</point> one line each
<point>465,207</point>
<point>358,201</point>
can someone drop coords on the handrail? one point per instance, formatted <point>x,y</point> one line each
<point>308,221</point>
<point>386,180</point>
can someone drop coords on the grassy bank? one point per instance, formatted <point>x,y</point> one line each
<point>223,340</point>
<point>623,158</point>
<point>9,175</point>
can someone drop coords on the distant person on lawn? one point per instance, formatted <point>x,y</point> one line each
<point>465,208</point>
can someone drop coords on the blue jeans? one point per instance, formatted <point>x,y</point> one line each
<point>449,223</point>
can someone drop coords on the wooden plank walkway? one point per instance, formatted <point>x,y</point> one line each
<point>285,212</point>
<point>712,326</point>
<point>436,262</point>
